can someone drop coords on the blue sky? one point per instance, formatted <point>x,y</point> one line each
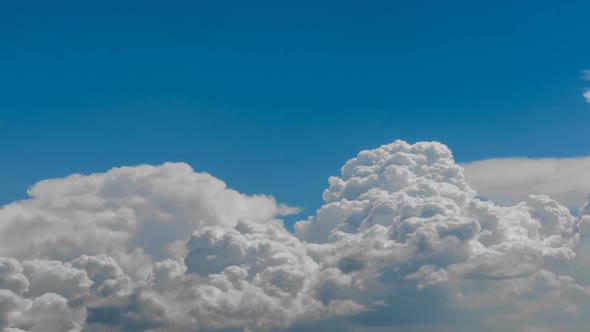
<point>274,97</point>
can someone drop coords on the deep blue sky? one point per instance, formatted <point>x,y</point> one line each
<point>273,97</point>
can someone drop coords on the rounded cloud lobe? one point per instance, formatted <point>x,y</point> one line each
<point>401,242</point>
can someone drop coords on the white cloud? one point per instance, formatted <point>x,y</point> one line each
<point>125,207</point>
<point>509,181</point>
<point>402,243</point>
<point>586,76</point>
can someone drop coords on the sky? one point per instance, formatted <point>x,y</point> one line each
<point>275,95</point>
<point>294,166</point>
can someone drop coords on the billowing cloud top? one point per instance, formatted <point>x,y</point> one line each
<point>401,242</point>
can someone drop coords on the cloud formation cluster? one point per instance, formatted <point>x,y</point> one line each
<point>401,242</point>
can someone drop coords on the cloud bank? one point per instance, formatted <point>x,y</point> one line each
<point>402,243</point>
<point>509,181</point>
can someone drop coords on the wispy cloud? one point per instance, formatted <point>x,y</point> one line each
<point>586,76</point>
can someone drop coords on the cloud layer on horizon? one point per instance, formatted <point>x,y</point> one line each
<point>509,181</point>
<point>402,243</point>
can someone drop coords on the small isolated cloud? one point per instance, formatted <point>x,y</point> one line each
<point>402,243</point>
<point>510,181</point>
<point>586,76</point>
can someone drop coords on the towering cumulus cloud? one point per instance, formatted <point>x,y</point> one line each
<point>402,243</point>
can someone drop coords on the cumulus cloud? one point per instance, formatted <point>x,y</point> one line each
<point>509,181</point>
<point>402,243</point>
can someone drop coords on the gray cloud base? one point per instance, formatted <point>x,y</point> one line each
<point>402,243</point>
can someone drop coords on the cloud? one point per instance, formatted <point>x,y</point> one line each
<point>586,76</point>
<point>510,181</point>
<point>402,243</point>
<point>123,209</point>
